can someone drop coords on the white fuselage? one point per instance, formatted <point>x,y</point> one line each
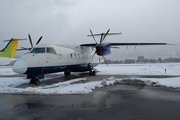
<point>50,58</point>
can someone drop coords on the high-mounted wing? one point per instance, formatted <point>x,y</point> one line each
<point>103,49</point>
<point>129,44</point>
<point>126,44</point>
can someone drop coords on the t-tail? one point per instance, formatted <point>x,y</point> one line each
<point>10,50</point>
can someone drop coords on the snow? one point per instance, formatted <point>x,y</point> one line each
<point>8,84</point>
<point>139,69</point>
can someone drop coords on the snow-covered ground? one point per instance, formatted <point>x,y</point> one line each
<point>9,84</point>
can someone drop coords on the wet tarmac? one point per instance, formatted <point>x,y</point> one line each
<point>115,102</point>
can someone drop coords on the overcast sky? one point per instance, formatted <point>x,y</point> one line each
<point>69,21</point>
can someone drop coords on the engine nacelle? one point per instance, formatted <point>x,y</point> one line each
<point>103,49</point>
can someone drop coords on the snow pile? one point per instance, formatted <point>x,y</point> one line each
<point>67,87</point>
<point>108,81</point>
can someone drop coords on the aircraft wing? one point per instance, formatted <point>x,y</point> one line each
<point>5,61</point>
<point>127,44</point>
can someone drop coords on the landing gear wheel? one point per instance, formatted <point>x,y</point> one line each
<point>67,73</point>
<point>37,82</point>
<point>31,82</point>
<point>34,81</point>
<point>92,72</point>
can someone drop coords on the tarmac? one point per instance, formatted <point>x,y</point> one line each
<point>114,102</point>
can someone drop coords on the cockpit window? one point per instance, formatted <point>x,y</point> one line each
<point>38,50</point>
<point>51,50</point>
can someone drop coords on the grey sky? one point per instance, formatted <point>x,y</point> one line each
<point>70,20</point>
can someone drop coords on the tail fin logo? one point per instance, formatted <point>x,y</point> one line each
<point>10,49</point>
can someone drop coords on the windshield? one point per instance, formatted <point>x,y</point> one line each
<point>38,50</point>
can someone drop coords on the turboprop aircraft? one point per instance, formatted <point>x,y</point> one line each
<point>7,54</point>
<point>55,57</point>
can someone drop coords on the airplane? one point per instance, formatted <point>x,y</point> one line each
<point>7,54</point>
<point>54,57</point>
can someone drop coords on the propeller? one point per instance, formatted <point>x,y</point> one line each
<point>105,60</point>
<point>30,40</point>
<point>93,36</point>
<point>99,46</point>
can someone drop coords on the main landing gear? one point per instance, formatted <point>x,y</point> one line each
<point>67,73</point>
<point>92,72</point>
<point>34,80</point>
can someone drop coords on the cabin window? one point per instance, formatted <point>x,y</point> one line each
<point>71,55</point>
<point>38,50</point>
<point>51,50</point>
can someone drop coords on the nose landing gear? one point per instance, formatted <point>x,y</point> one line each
<point>34,80</point>
<point>67,73</point>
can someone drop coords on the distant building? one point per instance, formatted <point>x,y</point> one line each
<point>140,59</point>
<point>128,61</point>
<point>160,60</point>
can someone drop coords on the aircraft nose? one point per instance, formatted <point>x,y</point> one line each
<point>20,66</point>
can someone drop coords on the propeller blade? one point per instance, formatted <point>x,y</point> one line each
<point>114,47</point>
<point>39,40</point>
<point>105,60</point>
<point>93,36</point>
<point>92,56</point>
<point>30,40</point>
<point>105,35</point>
<point>24,48</point>
<point>101,38</point>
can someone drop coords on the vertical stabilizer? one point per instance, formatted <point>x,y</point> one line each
<point>10,49</point>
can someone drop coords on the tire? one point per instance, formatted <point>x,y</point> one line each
<point>31,81</point>
<point>67,73</point>
<point>37,82</point>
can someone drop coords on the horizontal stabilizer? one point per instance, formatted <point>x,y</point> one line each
<point>104,34</point>
<point>14,39</point>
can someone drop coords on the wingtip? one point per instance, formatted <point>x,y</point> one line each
<point>171,44</point>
